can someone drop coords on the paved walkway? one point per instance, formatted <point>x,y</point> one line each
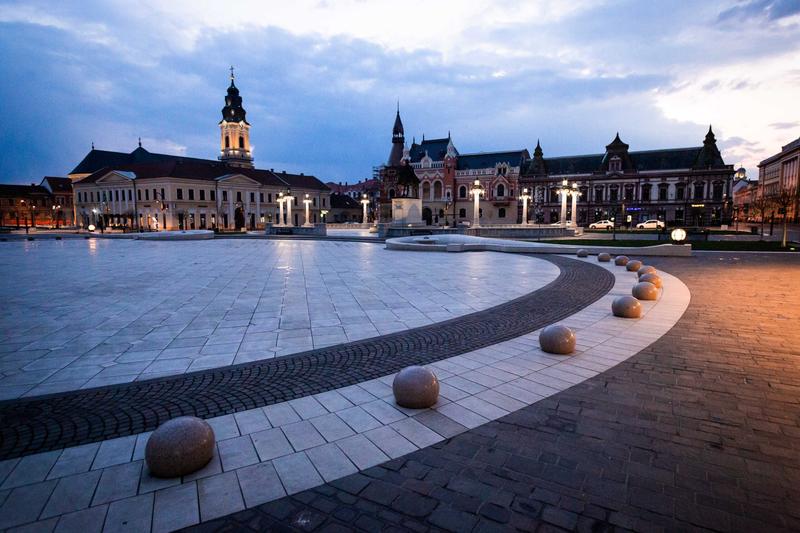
<point>87,313</point>
<point>699,431</point>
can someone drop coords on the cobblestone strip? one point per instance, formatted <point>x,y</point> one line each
<point>697,432</point>
<point>70,419</point>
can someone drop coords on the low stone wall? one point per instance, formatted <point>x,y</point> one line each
<point>349,226</point>
<point>506,231</point>
<point>316,229</point>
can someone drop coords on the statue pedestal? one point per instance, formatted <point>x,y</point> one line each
<point>407,211</point>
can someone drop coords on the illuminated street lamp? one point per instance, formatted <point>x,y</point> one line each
<point>564,191</point>
<point>280,209</point>
<point>476,191</point>
<point>575,193</point>
<point>307,202</point>
<point>525,197</point>
<point>365,203</point>
<point>288,198</point>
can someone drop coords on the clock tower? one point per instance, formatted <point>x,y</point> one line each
<point>234,131</point>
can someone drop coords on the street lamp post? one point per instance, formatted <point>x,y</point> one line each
<point>307,202</point>
<point>364,203</point>
<point>280,209</point>
<point>575,193</point>
<point>476,191</point>
<point>288,198</point>
<point>564,191</point>
<point>525,197</point>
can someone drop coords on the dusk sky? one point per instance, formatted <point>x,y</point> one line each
<point>320,79</point>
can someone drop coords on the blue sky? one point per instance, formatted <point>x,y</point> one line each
<point>320,79</point>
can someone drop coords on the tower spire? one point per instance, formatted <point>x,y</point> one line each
<point>234,130</point>
<point>232,77</point>
<point>140,142</point>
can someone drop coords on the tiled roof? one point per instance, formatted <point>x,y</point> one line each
<point>342,201</point>
<point>9,190</point>
<point>145,165</point>
<point>645,160</point>
<point>57,184</point>
<point>436,148</point>
<point>513,158</point>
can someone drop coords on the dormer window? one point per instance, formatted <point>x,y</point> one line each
<point>615,164</point>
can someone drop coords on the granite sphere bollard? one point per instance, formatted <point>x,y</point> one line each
<point>646,269</point>
<point>179,447</point>
<point>621,260</point>
<point>644,290</point>
<point>653,278</point>
<point>633,265</point>
<point>582,253</point>
<point>415,387</point>
<point>557,339</point>
<point>626,307</point>
<point>603,257</point>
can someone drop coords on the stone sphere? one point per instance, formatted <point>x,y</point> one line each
<point>557,339</point>
<point>621,260</point>
<point>653,278</point>
<point>646,269</point>
<point>179,447</point>
<point>415,387</point>
<point>644,290</point>
<point>633,265</point>
<point>604,257</point>
<point>582,253</point>
<point>626,307</point>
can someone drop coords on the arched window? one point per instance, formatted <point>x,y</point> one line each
<point>241,141</point>
<point>227,142</point>
<point>501,213</point>
<point>426,190</point>
<point>501,190</point>
<point>462,192</point>
<point>437,190</point>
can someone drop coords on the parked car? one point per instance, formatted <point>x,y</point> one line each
<point>651,224</point>
<point>602,224</point>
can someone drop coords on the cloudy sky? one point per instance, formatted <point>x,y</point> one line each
<point>320,79</point>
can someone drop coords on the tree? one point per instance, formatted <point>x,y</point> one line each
<point>783,201</point>
<point>761,205</point>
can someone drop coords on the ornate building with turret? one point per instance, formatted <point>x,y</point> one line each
<point>685,186</point>
<point>149,190</point>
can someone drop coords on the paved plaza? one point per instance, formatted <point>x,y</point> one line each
<point>683,419</point>
<point>87,313</point>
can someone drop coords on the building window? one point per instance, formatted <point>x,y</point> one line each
<point>139,194</point>
<point>224,196</point>
<point>629,193</point>
<point>163,196</point>
<point>238,196</point>
<point>462,213</point>
<point>391,193</point>
<point>202,194</point>
<point>180,194</point>
<point>155,194</point>
<point>116,195</point>
<point>615,164</point>
<point>462,192</point>
<point>146,194</point>
<point>598,194</point>
<point>261,198</point>
<point>269,198</point>
<point>614,193</point>
<point>323,202</point>
<point>314,202</point>
<point>227,142</point>
<point>213,195</point>
<point>663,191</point>
<point>698,191</point>
<point>680,191</point>
<point>501,213</point>
<point>646,192</point>
<point>717,190</point>
<point>191,194</point>
<point>501,191</point>
<point>252,197</point>
<point>241,141</point>
<point>437,190</point>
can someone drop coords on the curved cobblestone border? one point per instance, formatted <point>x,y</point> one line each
<point>69,419</point>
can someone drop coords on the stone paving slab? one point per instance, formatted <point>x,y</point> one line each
<point>72,418</point>
<point>697,432</point>
<point>72,318</point>
<point>296,457</point>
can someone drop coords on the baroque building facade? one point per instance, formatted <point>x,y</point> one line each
<point>680,186</point>
<point>146,190</point>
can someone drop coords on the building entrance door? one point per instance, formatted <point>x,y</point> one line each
<point>427,216</point>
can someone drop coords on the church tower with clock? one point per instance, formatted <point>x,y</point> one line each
<point>234,131</point>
